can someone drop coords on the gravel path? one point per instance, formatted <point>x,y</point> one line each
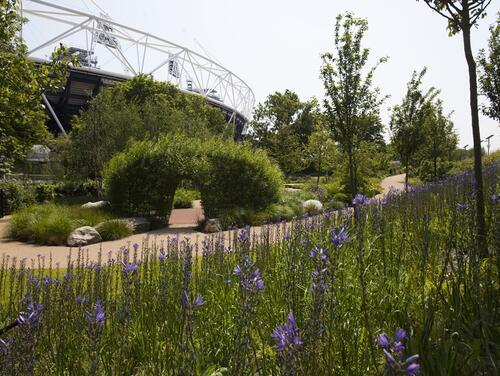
<point>181,223</point>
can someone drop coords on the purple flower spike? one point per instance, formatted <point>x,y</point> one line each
<point>136,246</point>
<point>130,268</point>
<point>97,315</point>
<point>384,341</point>
<point>287,335</point>
<point>198,301</point>
<point>413,369</point>
<point>399,335</point>
<point>359,199</point>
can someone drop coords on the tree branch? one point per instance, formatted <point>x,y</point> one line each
<point>480,12</point>
<point>439,12</point>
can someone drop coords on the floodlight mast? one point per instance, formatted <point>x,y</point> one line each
<point>175,63</point>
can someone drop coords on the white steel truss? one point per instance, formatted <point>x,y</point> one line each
<point>132,51</point>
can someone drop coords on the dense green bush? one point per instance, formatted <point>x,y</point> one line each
<point>143,179</point>
<point>184,197</point>
<point>77,188</point>
<point>114,229</point>
<point>45,192</point>
<point>17,195</point>
<point>52,223</point>
<point>237,176</point>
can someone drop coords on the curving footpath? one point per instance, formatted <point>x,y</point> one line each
<point>182,223</point>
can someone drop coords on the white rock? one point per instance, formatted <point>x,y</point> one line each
<point>96,205</point>
<point>83,236</point>
<point>312,206</point>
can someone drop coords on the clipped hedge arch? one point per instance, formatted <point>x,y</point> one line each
<point>229,175</point>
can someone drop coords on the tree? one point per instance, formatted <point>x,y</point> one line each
<point>440,140</point>
<point>322,151</point>
<point>282,126</point>
<point>351,103</point>
<point>408,118</point>
<point>462,15</point>
<point>489,78</point>
<point>140,109</point>
<point>22,83</point>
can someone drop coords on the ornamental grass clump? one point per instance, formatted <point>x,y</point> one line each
<point>170,306</point>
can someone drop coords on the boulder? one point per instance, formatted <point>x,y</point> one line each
<point>96,205</point>
<point>312,206</point>
<point>83,236</point>
<point>212,225</point>
<point>139,224</point>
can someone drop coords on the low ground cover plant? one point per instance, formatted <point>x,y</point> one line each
<point>184,197</point>
<point>52,223</point>
<point>395,285</point>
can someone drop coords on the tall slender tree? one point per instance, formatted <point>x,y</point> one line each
<point>351,103</point>
<point>408,118</point>
<point>462,16</point>
<point>489,77</point>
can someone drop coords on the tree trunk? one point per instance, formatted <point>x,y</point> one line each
<point>406,176</point>
<point>351,175</point>
<point>478,173</point>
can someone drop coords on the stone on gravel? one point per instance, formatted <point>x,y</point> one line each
<point>96,205</point>
<point>312,206</point>
<point>83,236</point>
<point>139,224</point>
<point>212,225</point>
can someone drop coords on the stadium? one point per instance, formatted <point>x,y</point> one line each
<point>111,52</point>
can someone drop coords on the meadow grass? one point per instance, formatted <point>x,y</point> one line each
<point>408,261</point>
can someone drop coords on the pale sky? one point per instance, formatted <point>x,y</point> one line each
<point>276,44</point>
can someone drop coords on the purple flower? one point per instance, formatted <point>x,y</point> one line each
<point>495,197</point>
<point>399,335</point>
<point>244,234</point>
<point>249,276</point>
<point>359,199</point>
<point>413,369</point>
<point>32,314</point>
<point>198,301</point>
<point>338,236</point>
<point>97,316</point>
<point>136,246</point>
<point>162,256</point>
<point>287,335</point>
<point>462,207</point>
<point>130,268</point>
<point>384,341</point>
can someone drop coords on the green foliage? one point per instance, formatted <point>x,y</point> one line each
<point>352,104</point>
<point>143,179</point>
<point>184,198</point>
<point>489,73</point>
<point>51,223</point>
<point>282,126</point>
<point>237,176</point>
<point>45,192</point>
<point>398,268</point>
<point>17,195</point>
<point>136,110</point>
<point>114,229</point>
<point>77,188</point>
<point>22,83</point>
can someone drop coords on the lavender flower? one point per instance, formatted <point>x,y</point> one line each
<point>462,206</point>
<point>32,314</point>
<point>393,353</point>
<point>287,335</point>
<point>359,199</point>
<point>162,256</point>
<point>495,197</point>
<point>249,276</point>
<point>244,234</point>
<point>198,301</point>
<point>97,315</point>
<point>338,236</point>
<point>130,268</point>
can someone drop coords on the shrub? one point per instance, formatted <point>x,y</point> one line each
<point>341,197</point>
<point>183,197</point>
<point>237,176</point>
<point>114,229</point>
<point>77,188</point>
<point>51,223</point>
<point>45,192</point>
<point>17,195</point>
<point>144,178</point>
<point>312,206</point>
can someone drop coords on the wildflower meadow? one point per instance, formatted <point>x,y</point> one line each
<point>395,286</point>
